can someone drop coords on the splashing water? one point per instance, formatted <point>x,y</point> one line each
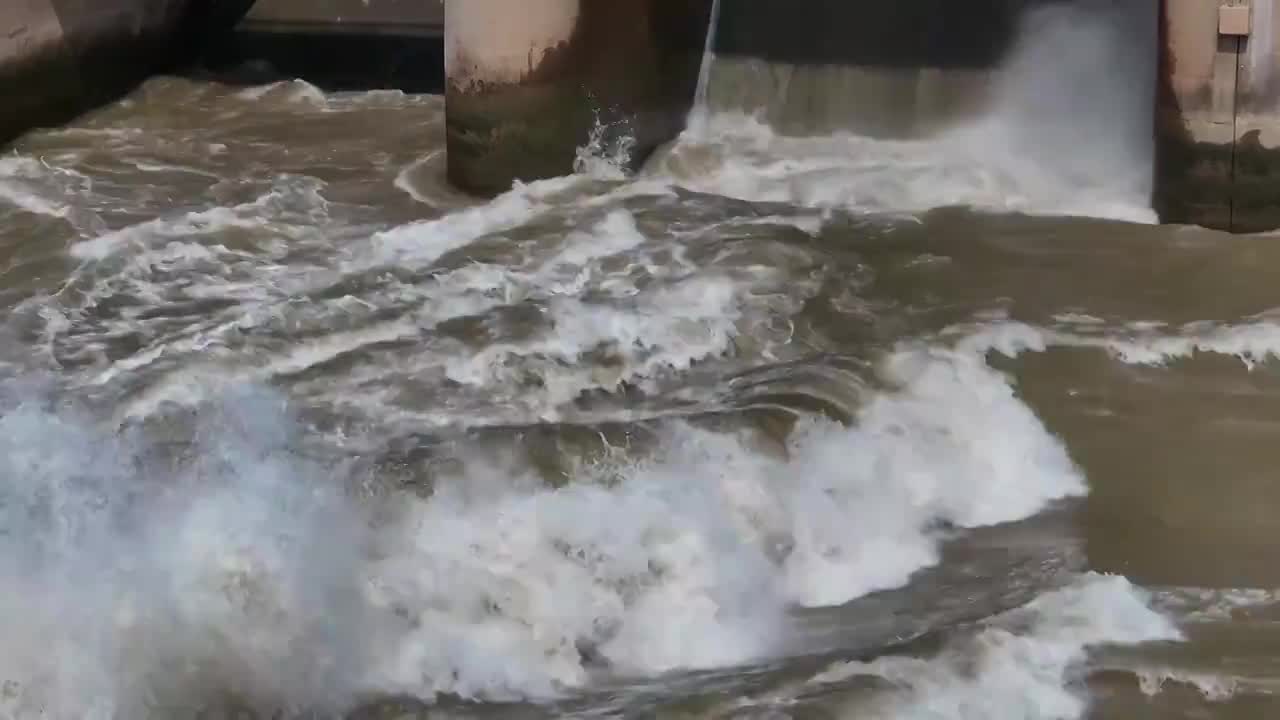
<point>1066,131</point>
<point>222,545</point>
<point>288,426</point>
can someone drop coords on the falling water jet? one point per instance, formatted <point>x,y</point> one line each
<point>701,112</point>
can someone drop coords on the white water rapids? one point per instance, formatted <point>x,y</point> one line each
<point>285,424</point>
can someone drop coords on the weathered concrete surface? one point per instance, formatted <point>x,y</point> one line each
<point>37,78</point>
<point>61,57</point>
<point>1256,198</point>
<point>881,102</point>
<point>527,80</point>
<point>338,44</point>
<point>1218,118</point>
<point>1195,115</point>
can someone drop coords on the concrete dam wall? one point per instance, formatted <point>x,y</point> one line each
<point>1219,114</point>
<point>528,80</point>
<point>1189,87</point>
<point>61,57</point>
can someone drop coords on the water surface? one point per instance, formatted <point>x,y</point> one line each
<point>784,427</point>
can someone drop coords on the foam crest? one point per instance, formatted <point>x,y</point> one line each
<point>1021,665</point>
<point>1212,605</point>
<point>653,331</point>
<point>1214,688</point>
<point>17,177</point>
<point>425,241</point>
<point>690,558</point>
<point>1253,342</point>
<point>133,586</point>
<point>954,446</point>
<point>289,209</point>
<point>740,157</point>
<point>227,564</point>
<point>667,330</point>
<point>286,92</point>
<point>645,576</point>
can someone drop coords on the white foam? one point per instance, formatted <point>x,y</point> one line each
<point>1253,341</point>
<point>1065,134</point>
<point>659,325</point>
<point>272,205</point>
<point>404,179</point>
<point>1022,665</point>
<point>667,330</point>
<point>650,575</point>
<point>602,156</point>
<point>740,157</point>
<point>1211,605</point>
<point>688,561</point>
<point>128,586</point>
<point>290,91</point>
<point>495,587</point>
<point>193,384</point>
<point>426,241</point>
<point>612,306</point>
<point>863,515</point>
<point>1214,688</point>
<point>18,175</point>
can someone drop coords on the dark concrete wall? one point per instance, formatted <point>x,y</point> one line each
<point>338,44</point>
<point>881,33</point>
<point>631,65</point>
<point>901,69</point>
<point>61,57</point>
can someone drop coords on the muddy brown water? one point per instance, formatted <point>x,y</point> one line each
<point>290,427</point>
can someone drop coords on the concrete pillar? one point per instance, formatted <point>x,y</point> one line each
<point>528,79</point>
<point>1218,114</point>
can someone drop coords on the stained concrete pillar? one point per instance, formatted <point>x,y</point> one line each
<point>1218,114</point>
<point>528,80</point>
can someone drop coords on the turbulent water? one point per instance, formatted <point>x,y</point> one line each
<point>783,427</point>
